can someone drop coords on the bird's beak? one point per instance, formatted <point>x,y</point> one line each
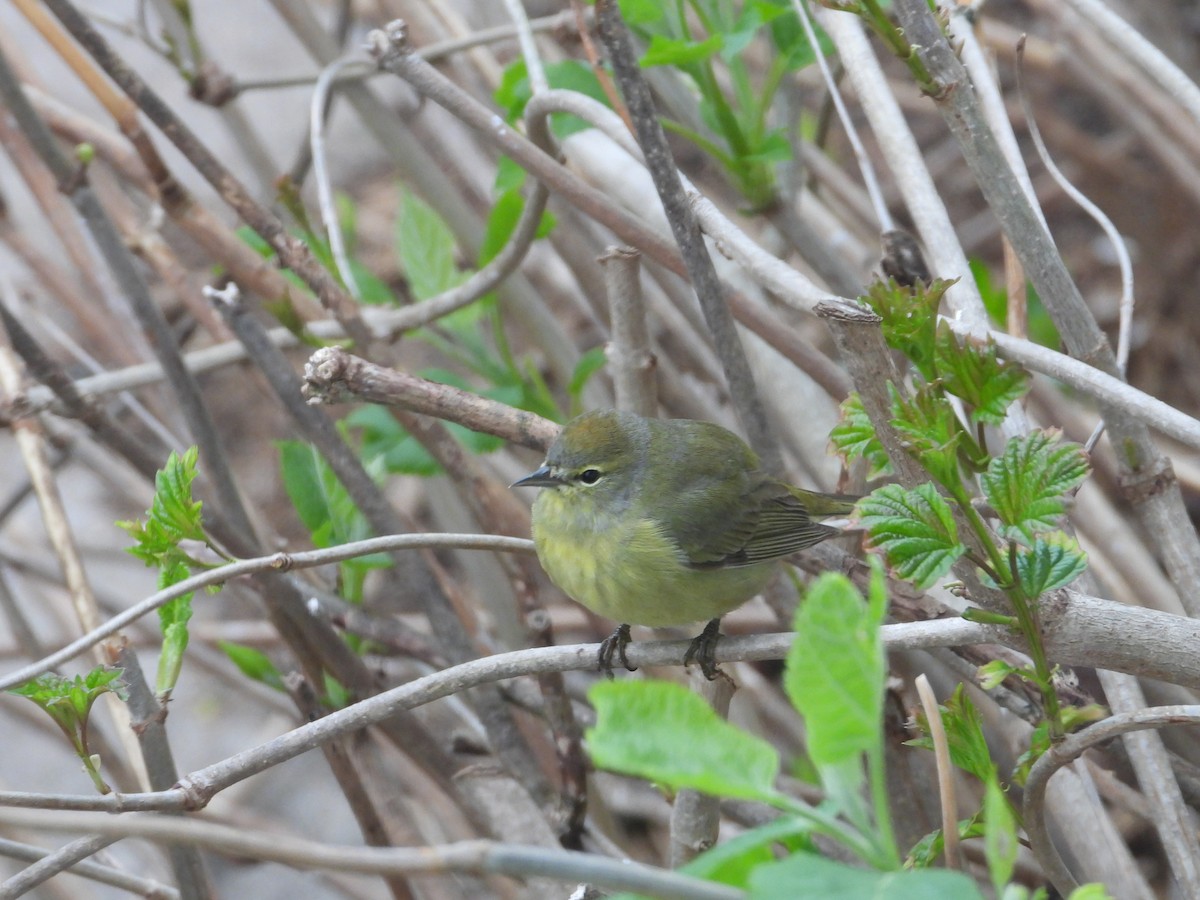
<point>543,477</point>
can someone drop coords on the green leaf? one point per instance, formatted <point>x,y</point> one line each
<point>972,372</point>
<point>254,664</point>
<point>1054,561</point>
<point>589,364</point>
<point>809,875</point>
<point>664,732</point>
<point>426,248</point>
<point>1026,484</point>
<point>514,92</point>
<point>173,515</point>
<point>733,861</point>
<point>1000,843</point>
<point>909,318</point>
<point>1090,892</point>
<point>925,852</point>
<point>991,675</point>
<point>931,430</point>
<point>640,13</point>
<point>173,618</point>
<point>914,529</point>
<point>382,438</point>
<point>1041,328</point>
<point>854,437</point>
<point>502,221</point>
<point>322,503</point>
<point>667,51</point>
<point>835,671</point>
<point>964,736</point>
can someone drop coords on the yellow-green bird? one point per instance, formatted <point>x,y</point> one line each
<point>664,522</point>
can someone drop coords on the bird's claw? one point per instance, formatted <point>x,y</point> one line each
<point>703,649</point>
<point>615,644</point>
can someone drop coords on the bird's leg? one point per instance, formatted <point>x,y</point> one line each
<point>615,643</point>
<point>703,649</point>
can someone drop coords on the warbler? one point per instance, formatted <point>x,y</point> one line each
<point>664,522</point>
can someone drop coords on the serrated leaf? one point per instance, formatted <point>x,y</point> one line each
<point>909,317</point>
<point>1054,561</point>
<point>931,430</point>
<point>666,733</point>
<point>809,875</point>
<point>973,372</point>
<point>854,437</point>
<point>914,529</point>
<point>1025,485</point>
<point>964,735</point>
<point>835,671</point>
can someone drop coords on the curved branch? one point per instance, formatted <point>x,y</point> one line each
<point>1067,751</point>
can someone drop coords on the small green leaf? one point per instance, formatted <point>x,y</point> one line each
<point>835,671</point>
<point>809,875</point>
<point>254,664</point>
<point>589,364</point>
<point>640,13</point>
<point>854,437</point>
<point>931,429</point>
<point>1054,561</point>
<point>972,372</point>
<point>1090,892</point>
<point>991,675</point>
<point>1025,485</point>
<point>914,529</point>
<point>925,852</point>
<point>173,618</point>
<point>666,51</point>
<point>666,733</point>
<point>1000,843</point>
<point>909,319</point>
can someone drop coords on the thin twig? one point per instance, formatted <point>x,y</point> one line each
<point>478,857</point>
<point>945,772</point>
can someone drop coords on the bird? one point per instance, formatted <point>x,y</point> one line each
<point>663,522</point>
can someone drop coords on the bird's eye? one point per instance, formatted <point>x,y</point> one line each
<point>589,476</point>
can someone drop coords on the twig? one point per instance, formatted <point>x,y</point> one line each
<point>134,884</point>
<point>682,219</point>
<point>333,374</point>
<point>52,864</point>
<point>1067,751</point>
<point>696,817</point>
<point>865,168</point>
<point>945,772</point>
<point>317,111</point>
<point>629,355</point>
<point>280,562</point>
<point>478,857</point>
<point>293,253</point>
<point>1125,328</point>
<point>1152,765</point>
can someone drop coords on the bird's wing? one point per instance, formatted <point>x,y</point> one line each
<point>768,524</point>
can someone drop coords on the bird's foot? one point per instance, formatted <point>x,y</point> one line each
<point>615,644</point>
<point>703,649</point>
